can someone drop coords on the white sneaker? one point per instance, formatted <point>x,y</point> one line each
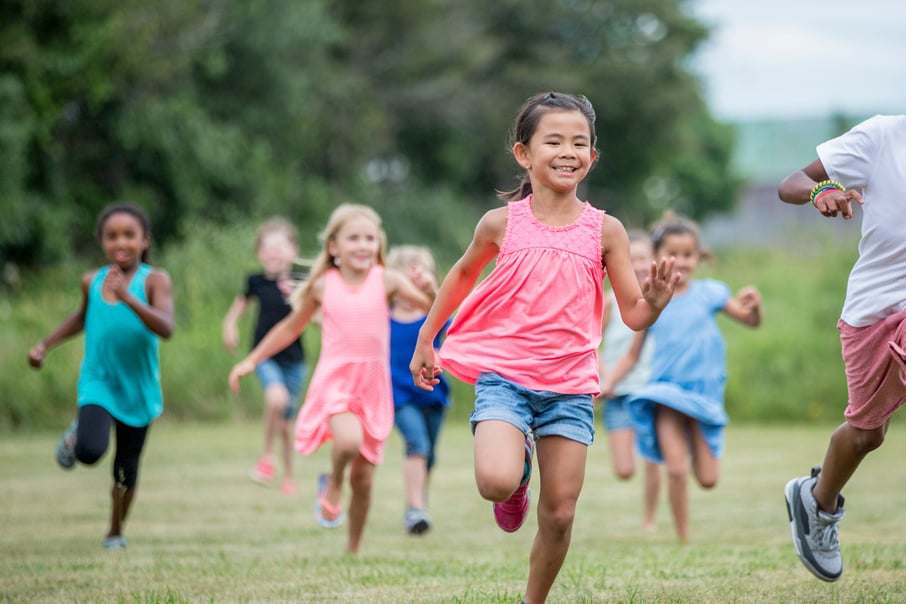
<point>814,531</point>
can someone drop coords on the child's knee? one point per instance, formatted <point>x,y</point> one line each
<point>869,440</point>
<point>495,487</point>
<point>88,453</point>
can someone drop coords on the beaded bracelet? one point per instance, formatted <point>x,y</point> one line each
<point>823,186</point>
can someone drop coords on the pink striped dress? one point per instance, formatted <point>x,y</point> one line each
<point>353,369</point>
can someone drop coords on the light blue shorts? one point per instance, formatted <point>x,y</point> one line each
<point>291,375</point>
<point>544,413</point>
<point>616,414</point>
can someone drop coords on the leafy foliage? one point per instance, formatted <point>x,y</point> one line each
<point>231,110</point>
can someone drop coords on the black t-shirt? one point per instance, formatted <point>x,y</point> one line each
<point>273,306</point>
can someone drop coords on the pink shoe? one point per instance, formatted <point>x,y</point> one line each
<point>288,487</point>
<point>263,472</point>
<point>511,514</point>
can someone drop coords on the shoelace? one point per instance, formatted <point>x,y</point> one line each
<point>828,536</point>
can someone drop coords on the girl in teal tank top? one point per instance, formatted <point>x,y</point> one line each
<point>126,307</point>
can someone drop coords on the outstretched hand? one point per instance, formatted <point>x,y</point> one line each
<point>240,369</point>
<point>662,278</point>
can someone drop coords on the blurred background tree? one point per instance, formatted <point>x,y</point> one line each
<point>222,111</point>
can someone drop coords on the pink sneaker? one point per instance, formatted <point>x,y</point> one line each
<point>511,514</point>
<point>263,472</point>
<point>288,487</point>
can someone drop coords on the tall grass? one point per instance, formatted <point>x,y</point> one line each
<point>200,531</point>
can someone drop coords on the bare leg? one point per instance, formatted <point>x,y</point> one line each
<point>652,492</point>
<point>361,477</point>
<point>347,440</point>
<point>704,464</point>
<point>415,473</point>
<point>672,433</point>
<point>286,437</point>
<point>847,448</point>
<point>561,469</point>
<point>121,502</point>
<point>622,452</point>
<point>499,459</point>
<point>276,397</point>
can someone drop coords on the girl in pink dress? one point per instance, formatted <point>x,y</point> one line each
<point>528,335</point>
<point>349,399</point>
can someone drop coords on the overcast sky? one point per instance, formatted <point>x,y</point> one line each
<point>803,58</point>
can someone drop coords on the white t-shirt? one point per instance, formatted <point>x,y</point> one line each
<point>872,157</point>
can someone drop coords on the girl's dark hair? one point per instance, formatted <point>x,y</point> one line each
<point>527,123</point>
<point>120,207</point>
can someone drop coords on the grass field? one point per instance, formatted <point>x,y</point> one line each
<point>202,532</point>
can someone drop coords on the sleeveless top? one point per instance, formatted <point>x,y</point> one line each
<point>403,337</point>
<point>536,318</point>
<point>353,369</point>
<point>121,368</point>
<point>618,339</point>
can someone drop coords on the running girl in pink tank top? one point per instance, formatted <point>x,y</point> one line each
<point>349,399</point>
<point>527,335</point>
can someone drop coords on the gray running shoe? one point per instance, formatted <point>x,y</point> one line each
<point>66,446</point>
<point>115,543</point>
<point>814,531</point>
<point>417,521</point>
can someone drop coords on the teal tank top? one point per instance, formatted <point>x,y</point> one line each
<point>121,368</point>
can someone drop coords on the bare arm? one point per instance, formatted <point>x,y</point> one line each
<point>419,295</point>
<point>455,287</point>
<point>70,326</point>
<point>797,187</point>
<point>625,364</point>
<point>280,335</point>
<point>230,333</point>
<point>639,306</point>
<point>745,307</point>
<point>157,314</point>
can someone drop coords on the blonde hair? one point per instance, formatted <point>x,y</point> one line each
<point>342,214</point>
<point>276,225</point>
<point>402,256</point>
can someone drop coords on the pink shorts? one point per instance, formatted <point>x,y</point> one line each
<point>875,370</point>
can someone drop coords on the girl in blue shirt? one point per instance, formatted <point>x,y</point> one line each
<point>679,415</point>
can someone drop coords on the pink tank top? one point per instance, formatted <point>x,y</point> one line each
<point>536,318</point>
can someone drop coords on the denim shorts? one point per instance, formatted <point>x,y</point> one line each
<point>544,413</point>
<point>616,414</point>
<point>290,375</point>
<point>419,426</point>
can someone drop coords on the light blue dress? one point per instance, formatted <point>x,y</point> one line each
<point>689,368</point>
<point>121,368</point>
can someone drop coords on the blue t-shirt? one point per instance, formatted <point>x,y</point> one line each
<point>121,368</point>
<point>403,337</point>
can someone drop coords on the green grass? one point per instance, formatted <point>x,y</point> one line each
<point>202,532</point>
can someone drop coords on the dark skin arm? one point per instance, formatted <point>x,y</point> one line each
<point>796,187</point>
<point>157,315</point>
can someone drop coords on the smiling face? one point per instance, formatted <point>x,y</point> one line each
<point>124,240</point>
<point>356,244</point>
<point>684,247</point>
<point>559,154</point>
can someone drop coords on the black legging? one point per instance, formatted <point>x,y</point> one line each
<point>93,438</point>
